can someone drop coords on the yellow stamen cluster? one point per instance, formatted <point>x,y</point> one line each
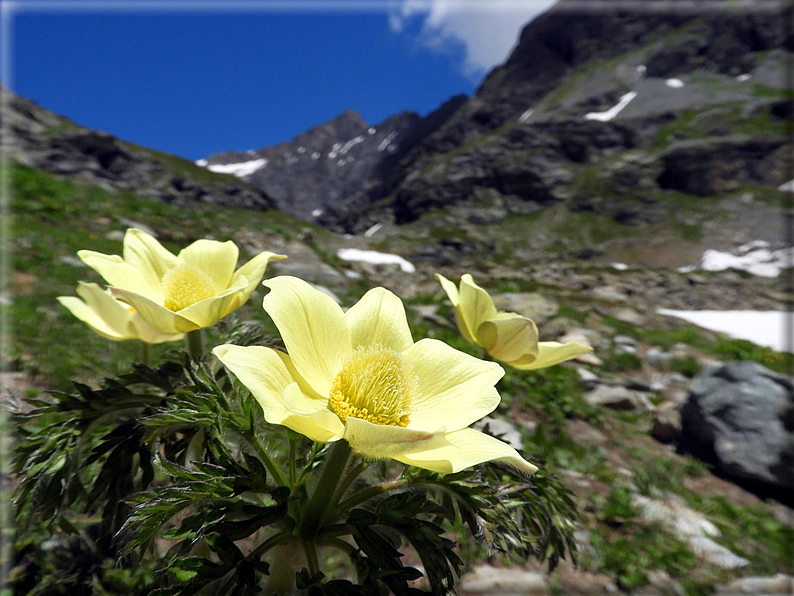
<point>375,385</point>
<point>186,284</point>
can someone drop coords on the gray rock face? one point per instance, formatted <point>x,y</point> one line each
<point>325,164</point>
<point>743,413</point>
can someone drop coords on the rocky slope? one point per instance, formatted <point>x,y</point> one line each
<point>603,111</point>
<point>653,102</point>
<point>33,136</point>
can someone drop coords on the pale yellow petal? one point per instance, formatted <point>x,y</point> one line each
<point>380,441</point>
<point>454,298</point>
<point>150,335</point>
<point>551,353</point>
<point>216,259</point>
<point>379,318</point>
<point>159,317</point>
<point>254,270</point>
<point>509,336</point>
<point>313,327</point>
<point>467,447</point>
<point>91,318</point>
<point>148,256</point>
<point>302,415</point>
<point>476,305</point>
<point>305,388</point>
<point>453,389</point>
<point>207,312</point>
<point>117,272</point>
<point>262,372</point>
<point>449,288</point>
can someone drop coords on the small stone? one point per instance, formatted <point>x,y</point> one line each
<point>630,316</point>
<point>501,429</point>
<point>656,357</point>
<point>136,224</point>
<point>503,581</point>
<point>666,424</point>
<point>588,378</point>
<point>610,293</point>
<point>115,235</point>
<point>779,585</point>
<point>71,260</point>
<point>618,398</point>
<point>590,359</point>
<point>624,340</point>
<point>532,305</point>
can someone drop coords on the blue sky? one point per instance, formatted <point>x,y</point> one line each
<point>195,83</point>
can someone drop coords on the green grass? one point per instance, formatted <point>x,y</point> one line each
<point>51,219</point>
<point>722,347</point>
<point>623,362</point>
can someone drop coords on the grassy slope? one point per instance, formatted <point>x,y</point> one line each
<point>53,218</point>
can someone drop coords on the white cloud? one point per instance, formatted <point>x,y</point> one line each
<point>483,32</point>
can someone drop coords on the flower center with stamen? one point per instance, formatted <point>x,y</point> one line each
<point>186,284</point>
<point>376,384</point>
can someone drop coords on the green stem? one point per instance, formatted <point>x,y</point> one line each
<point>370,493</point>
<point>195,344</point>
<point>291,461</point>
<point>308,467</point>
<point>271,466</point>
<point>274,540</point>
<point>317,507</point>
<point>311,557</point>
<point>348,481</point>
<point>145,353</point>
<point>339,544</point>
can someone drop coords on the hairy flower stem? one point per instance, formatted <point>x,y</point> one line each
<point>271,466</point>
<point>370,493</point>
<point>144,353</point>
<point>195,344</point>
<point>324,492</point>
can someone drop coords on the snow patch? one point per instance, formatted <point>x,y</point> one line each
<point>674,83</point>
<point>317,213</point>
<point>372,230</point>
<point>376,258</point>
<point>762,327</point>
<point>642,68</point>
<point>744,77</point>
<point>301,149</point>
<point>787,187</point>
<point>201,162</point>
<point>315,155</point>
<point>526,115</point>
<point>350,144</point>
<point>371,131</point>
<point>387,141</point>
<point>754,257</point>
<point>614,110</point>
<point>620,266</point>
<point>241,170</point>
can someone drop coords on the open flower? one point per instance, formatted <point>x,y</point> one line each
<point>506,336</point>
<point>359,376</point>
<point>110,318</point>
<point>179,293</point>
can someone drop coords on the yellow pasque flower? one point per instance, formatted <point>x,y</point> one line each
<point>506,336</point>
<point>179,293</point>
<point>110,318</point>
<point>360,377</point>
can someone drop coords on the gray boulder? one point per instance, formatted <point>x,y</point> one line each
<point>743,414</point>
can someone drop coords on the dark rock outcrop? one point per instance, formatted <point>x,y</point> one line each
<point>742,415</point>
